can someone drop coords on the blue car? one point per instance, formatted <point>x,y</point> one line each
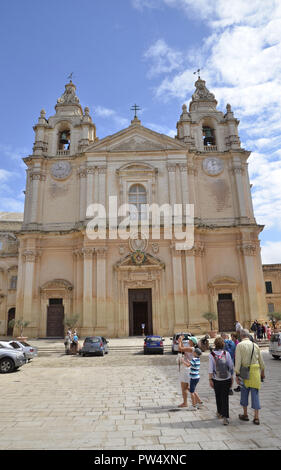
<point>153,344</point>
<point>94,345</point>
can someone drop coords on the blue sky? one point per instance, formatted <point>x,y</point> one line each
<point>145,51</point>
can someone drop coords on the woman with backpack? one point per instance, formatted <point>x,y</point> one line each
<point>221,378</point>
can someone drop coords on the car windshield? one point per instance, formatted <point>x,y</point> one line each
<point>92,340</point>
<point>24,344</point>
<point>14,345</point>
<point>153,340</point>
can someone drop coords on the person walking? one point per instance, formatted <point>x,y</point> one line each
<point>184,369</point>
<point>259,331</point>
<point>238,328</point>
<point>75,343</point>
<point>249,369</point>
<point>221,378</point>
<point>254,329</point>
<point>268,332</point>
<point>229,346</point>
<point>67,342</point>
<point>194,365</point>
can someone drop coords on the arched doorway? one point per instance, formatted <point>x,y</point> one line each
<point>11,316</point>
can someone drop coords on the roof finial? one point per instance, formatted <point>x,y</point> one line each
<point>197,72</point>
<point>135,108</point>
<point>70,77</point>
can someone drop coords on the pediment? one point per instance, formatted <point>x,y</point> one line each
<point>136,139</point>
<point>149,262</point>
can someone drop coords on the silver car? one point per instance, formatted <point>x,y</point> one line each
<point>94,345</point>
<point>10,359</point>
<point>29,351</point>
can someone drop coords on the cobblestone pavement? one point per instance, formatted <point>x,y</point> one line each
<point>126,401</point>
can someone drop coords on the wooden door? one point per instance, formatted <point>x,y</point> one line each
<point>11,316</point>
<point>226,315</point>
<point>55,317</point>
<point>140,311</point>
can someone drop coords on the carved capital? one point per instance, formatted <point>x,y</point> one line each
<point>248,249</point>
<point>197,250</point>
<point>102,170</point>
<point>183,167</point>
<point>88,252</point>
<point>171,167</point>
<point>37,175</point>
<point>101,251</point>
<point>30,256</point>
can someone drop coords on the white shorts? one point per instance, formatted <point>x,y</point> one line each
<point>184,374</point>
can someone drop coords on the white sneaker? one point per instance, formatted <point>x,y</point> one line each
<point>199,406</point>
<point>225,421</point>
<point>191,408</point>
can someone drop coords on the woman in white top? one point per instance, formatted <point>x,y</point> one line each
<point>184,370</point>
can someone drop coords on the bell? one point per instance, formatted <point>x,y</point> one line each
<point>207,131</point>
<point>64,138</point>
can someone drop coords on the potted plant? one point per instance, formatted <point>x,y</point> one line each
<point>211,317</point>
<point>274,317</point>
<point>21,324</point>
<point>71,321</point>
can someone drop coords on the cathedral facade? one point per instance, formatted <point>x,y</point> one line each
<point>115,285</point>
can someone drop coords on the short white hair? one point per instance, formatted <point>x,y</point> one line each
<point>244,333</point>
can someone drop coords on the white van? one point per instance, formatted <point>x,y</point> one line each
<point>275,345</point>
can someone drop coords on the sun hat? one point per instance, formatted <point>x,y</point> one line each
<point>194,340</point>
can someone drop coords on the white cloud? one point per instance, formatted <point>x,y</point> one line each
<point>164,58</point>
<point>271,252</point>
<point>107,113</point>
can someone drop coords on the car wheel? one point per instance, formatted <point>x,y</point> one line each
<point>275,357</point>
<point>6,365</point>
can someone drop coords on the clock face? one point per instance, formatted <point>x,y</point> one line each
<point>61,170</point>
<point>212,166</point>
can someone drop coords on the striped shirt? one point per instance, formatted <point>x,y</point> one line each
<point>195,368</point>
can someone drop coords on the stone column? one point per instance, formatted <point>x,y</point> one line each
<point>90,171</point>
<point>238,172</point>
<point>184,185</point>
<point>36,177</point>
<point>192,286</point>
<point>82,194</point>
<point>179,297</point>
<point>101,290</point>
<point>29,257</point>
<point>249,252</point>
<point>102,185</point>
<point>171,167</point>
<point>88,308</point>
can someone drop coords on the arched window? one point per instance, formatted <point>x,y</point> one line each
<point>137,197</point>
<point>64,140</point>
<point>208,136</point>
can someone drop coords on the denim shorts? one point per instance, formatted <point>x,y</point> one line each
<point>193,383</point>
<point>254,397</point>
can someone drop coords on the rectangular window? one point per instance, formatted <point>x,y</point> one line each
<point>268,287</point>
<point>55,301</point>
<point>270,308</point>
<point>13,282</point>
<point>225,296</point>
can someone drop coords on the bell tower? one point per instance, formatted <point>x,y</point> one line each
<point>59,140</point>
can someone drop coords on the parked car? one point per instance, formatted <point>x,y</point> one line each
<point>94,345</point>
<point>175,342</point>
<point>29,351</point>
<point>153,344</point>
<point>275,345</point>
<point>10,359</point>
